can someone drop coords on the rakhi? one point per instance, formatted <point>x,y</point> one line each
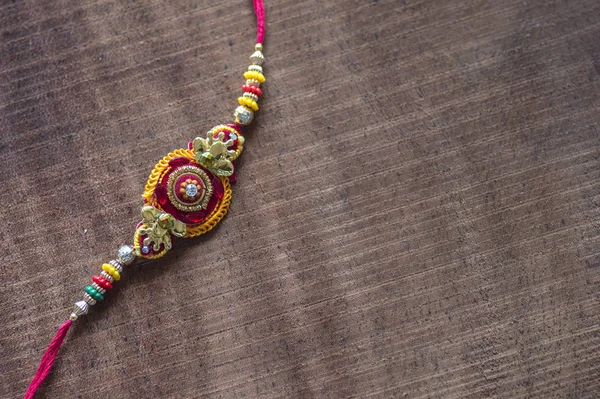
<point>187,194</point>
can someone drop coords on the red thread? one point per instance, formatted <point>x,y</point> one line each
<point>259,10</point>
<point>47,360</point>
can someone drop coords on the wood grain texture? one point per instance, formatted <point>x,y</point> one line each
<point>416,213</point>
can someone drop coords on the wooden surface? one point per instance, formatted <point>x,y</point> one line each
<point>416,213</point>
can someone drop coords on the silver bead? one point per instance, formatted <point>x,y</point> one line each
<point>257,58</point>
<point>98,288</point>
<point>81,308</point>
<point>256,68</point>
<point>126,255</point>
<point>107,276</point>
<point>243,115</point>
<point>88,299</point>
<point>117,265</point>
<point>251,95</point>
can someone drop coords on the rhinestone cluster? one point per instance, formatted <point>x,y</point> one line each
<point>189,188</point>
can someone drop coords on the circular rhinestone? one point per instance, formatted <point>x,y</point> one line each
<point>191,190</point>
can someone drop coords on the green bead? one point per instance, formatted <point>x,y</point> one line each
<point>94,293</point>
<point>206,159</point>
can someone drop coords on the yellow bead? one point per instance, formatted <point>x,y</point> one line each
<point>110,269</point>
<point>248,102</point>
<point>260,77</point>
<point>255,75</point>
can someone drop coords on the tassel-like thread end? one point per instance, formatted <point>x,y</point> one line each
<point>48,359</point>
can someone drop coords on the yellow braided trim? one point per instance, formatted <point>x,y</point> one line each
<point>157,173</point>
<point>137,248</point>
<point>216,216</point>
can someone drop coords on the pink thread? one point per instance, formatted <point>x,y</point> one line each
<point>259,10</point>
<point>47,360</point>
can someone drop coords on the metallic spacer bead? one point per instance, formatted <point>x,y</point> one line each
<point>126,254</point>
<point>256,68</point>
<point>117,265</point>
<point>73,317</point>
<point>81,308</point>
<point>107,276</point>
<point>251,95</point>
<point>243,115</point>
<point>88,299</point>
<point>98,288</point>
<point>253,82</point>
<point>258,47</point>
<point>257,58</point>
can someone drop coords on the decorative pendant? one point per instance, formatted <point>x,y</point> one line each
<point>188,191</point>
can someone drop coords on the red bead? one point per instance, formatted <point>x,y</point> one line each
<point>252,89</point>
<point>102,282</point>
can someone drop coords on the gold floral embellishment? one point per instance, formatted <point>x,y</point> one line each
<point>214,154</point>
<point>158,227</point>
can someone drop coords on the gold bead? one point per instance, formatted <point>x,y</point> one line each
<point>257,58</point>
<point>258,47</point>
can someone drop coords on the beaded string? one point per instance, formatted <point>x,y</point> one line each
<point>186,195</point>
